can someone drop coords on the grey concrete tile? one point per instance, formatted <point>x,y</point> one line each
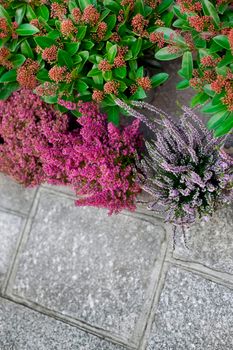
<point>14,196</point>
<point>193,314</point>
<point>62,189</point>
<point>24,329</point>
<point>85,264</point>
<point>210,243</point>
<point>10,228</point>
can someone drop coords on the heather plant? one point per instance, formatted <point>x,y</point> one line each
<point>97,159</point>
<point>202,35</point>
<point>80,49</point>
<point>39,144</point>
<point>185,170</point>
<point>26,122</point>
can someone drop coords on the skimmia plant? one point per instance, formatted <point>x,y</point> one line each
<point>202,35</point>
<point>80,49</point>
<point>186,171</point>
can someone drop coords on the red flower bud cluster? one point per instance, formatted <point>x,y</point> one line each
<point>111,87</point>
<point>4,54</point>
<point>58,11</point>
<point>144,82</point>
<point>90,15</point>
<point>104,66</point>
<point>139,24</point>
<point>68,28</point>
<point>26,74</point>
<point>58,74</point>
<point>50,54</point>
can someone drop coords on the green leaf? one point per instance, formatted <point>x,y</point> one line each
<point>84,3</point>
<point>199,98</point>
<point>136,48</point>
<point>217,119</point>
<point>164,5</point>
<point>93,72</point>
<point>7,89</point>
<point>111,54</point>
<point>112,5</point>
<point>30,14</point>
<point>225,127</point>
<point>139,94</point>
<point>187,65</point>
<point>43,11</point>
<point>210,10</point>
<point>50,99</point>
<point>43,75</point>
<point>210,108</point>
<point>111,21</point>
<point>44,41</point>
<point>72,48</point>
<point>113,114</point>
<point>4,14</point>
<point>19,13</point>
<point>159,79</point>
<point>140,72</point>
<point>87,45</point>
<point>165,54</point>
<point>222,40</point>
<point>81,86</point>
<point>107,75</point>
<point>120,72</point>
<point>26,29</point>
<point>64,59</point>
<point>72,5</point>
<point>81,32</point>
<point>9,77</point>
<point>168,33</point>
<point>183,84</point>
<point>17,60</point>
<point>26,49</point>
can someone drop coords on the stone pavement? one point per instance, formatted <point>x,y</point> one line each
<point>75,278</point>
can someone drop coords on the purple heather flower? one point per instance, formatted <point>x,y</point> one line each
<point>186,171</point>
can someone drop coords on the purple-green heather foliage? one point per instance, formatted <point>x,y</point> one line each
<point>185,170</point>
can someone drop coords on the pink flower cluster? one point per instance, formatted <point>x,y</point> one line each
<point>97,160</point>
<point>38,144</point>
<point>25,123</point>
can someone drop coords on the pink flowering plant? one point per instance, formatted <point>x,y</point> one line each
<point>80,49</point>
<point>202,35</point>
<point>94,157</point>
<point>185,170</point>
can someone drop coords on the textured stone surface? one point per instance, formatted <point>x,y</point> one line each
<point>14,196</point>
<point>210,243</point>
<point>24,329</point>
<point>10,228</point>
<point>193,313</point>
<point>81,262</point>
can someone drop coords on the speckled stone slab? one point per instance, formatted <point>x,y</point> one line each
<point>10,228</point>
<point>24,329</point>
<point>85,264</point>
<point>14,196</point>
<point>210,243</point>
<point>193,314</point>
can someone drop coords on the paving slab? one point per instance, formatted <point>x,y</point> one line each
<point>24,329</point>
<point>87,265</point>
<point>10,229</point>
<point>14,196</point>
<point>193,314</point>
<point>210,243</point>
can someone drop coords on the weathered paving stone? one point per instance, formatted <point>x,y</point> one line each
<point>193,313</point>
<point>10,228</point>
<point>85,264</point>
<point>210,243</point>
<point>14,196</point>
<point>24,329</point>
